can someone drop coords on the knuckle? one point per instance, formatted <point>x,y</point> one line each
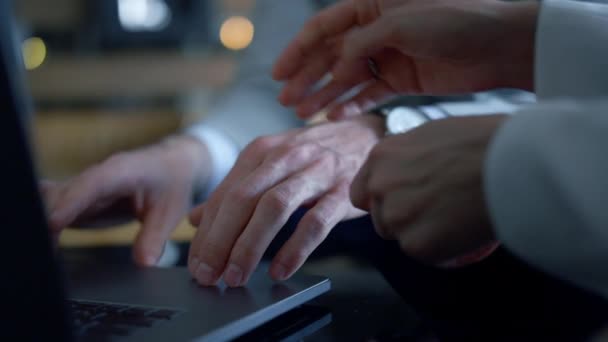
<point>120,164</point>
<point>304,151</point>
<point>316,227</point>
<point>119,158</point>
<point>296,258</point>
<point>395,32</point>
<point>293,258</point>
<point>378,184</point>
<point>277,200</point>
<point>213,253</point>
<point>259,146</point>
<point>329,162</point>
<point>246,255</point>
<point>328,159</point>
<point>313,24</point>
<point>239,194</point>
<point>279,155</point>
<point>398,213</point>
<point>376,154</point>
<point>293,151</point>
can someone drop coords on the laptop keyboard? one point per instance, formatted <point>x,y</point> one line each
<point>103,321</point>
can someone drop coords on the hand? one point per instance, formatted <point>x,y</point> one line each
<point>153,184</point>
<point>275,175</point>
<point>425,189</point>
<point>418,46</point>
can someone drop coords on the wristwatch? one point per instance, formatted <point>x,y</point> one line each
<point>401,119</point>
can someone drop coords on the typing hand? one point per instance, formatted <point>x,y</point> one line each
<point>424,188</point>
<point>153,184</point>
<point>417,46</point>
<point>275,175</point>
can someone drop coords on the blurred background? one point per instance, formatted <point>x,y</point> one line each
<point>112,75</point>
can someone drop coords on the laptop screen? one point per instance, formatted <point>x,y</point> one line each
<point>32,300</point>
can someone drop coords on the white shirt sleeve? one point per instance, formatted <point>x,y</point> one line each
<point>546,173</point>
<point>222,154</point>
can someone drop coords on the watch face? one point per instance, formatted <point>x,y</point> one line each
<point>403,119</point>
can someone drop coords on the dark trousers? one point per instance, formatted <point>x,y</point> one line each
<point>500,298</point>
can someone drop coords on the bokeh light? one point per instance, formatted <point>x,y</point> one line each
<point>34,52</point>
<point>236,33</point>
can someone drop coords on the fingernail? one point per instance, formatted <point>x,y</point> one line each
<point>55,219</point>
<point>193,265</point>
<point>205,274</point>
<point>150,260</point>
<point>233,276</point>
<point>281,98</point>
<point>279,272</point>
<point>352,110</point>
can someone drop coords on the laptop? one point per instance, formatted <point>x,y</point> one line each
<point>43,299</point>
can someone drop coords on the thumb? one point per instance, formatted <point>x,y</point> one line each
<point>196,215</point>
<point>157,225</point>
<point>46,186</point>
<point>358,189</point>
<point>51,193</point>
<point>367,40</point>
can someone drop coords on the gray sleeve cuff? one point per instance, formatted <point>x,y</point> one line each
<point>571,50</point>
<point>545,182</point>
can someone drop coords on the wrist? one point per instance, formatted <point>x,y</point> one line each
<point>193,154</point>
<point>375,124</point>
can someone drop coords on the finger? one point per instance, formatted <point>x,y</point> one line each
<point>238,206</point>
<point>325,25</point>
<point>383,230</point>
<point>310,233</point>
<point>196,215</point>
<point>51,192</point>
<point>158,224</point>
<point>438,236</point>
<point>416,168</point>
<point>332,91</point>
<point>403,205</point>
<point>415,239</point>
<point>271,214</point>
<point>83,192</point>
<point>376,93</point>
<point>302,82</point>
<point>55,239</point>
<point>459,228</point>
<point>366,41</point>
<point>248,160</point>
<point>359,194</point>
<point>434,241</point>
<point>47,186</point>
<point>251,158</point>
